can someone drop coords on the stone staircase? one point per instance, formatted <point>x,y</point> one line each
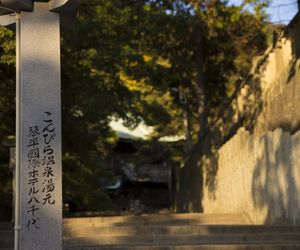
<point>169,232</point>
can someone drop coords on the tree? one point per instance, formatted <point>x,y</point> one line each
<point>201,49</point>
<point>206,48</point>
<point>7,113</point>
<point>156,61</point>
<point>7,86</point>
<point>215,21</point>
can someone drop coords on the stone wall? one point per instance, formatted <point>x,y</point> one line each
<point>259,177</point>
<point>273,91</point>
<point>257,171</point>
<point>279,81</point>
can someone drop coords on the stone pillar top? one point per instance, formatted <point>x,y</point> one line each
<point>66,8</point>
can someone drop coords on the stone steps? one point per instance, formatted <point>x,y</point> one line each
<point>159,219</point>
<point>177,230</point>
<point>218,239</point>
<point>191,247</point>
<point>169,232</point>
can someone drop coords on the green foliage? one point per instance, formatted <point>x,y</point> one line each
<point>165,59</point>
<point>7,113</point>
<point>7,86</point>
<point>81,182</point>
<point>137,53</point>
<point>137,60</point>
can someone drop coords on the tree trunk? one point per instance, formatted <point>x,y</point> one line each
<point>188,130</point>
<point>200,85</point>
<point>191,176</point>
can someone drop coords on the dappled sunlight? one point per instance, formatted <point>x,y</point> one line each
<point>254,167</point>
<point>170,231</point>
<point>180,127</point>
<point>278,186</point>
<point>264,174</point>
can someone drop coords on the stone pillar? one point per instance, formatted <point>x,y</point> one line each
<point>39,129</point>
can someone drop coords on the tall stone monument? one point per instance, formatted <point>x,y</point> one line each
<point>38,217</point>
